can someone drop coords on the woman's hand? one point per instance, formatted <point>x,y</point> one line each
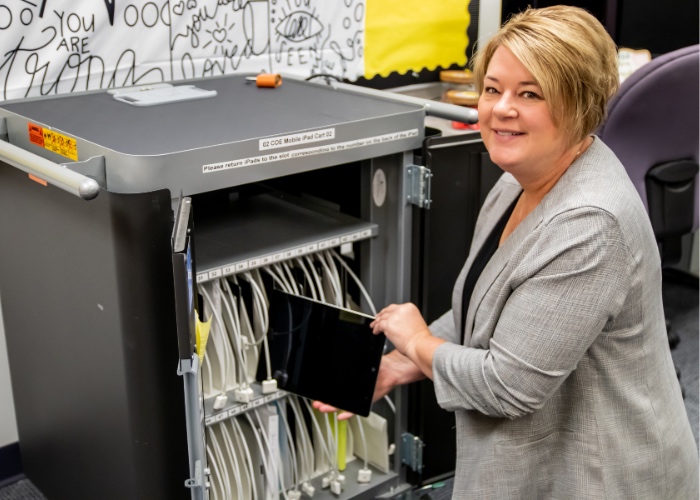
<point>403,325</point>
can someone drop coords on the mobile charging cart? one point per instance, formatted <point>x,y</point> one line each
<point>102,195</point>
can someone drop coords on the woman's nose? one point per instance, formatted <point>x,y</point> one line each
<point>505,106</point>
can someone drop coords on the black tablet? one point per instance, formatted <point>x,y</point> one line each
<point>322,352</point>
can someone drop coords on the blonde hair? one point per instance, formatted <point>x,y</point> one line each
<point>572,58</point>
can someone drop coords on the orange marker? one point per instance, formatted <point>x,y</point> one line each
<point>270,80</point>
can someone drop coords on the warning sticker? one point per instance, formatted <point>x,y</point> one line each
<point>53,141</point>
<point>36,135</point>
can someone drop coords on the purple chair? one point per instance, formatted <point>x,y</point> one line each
<point>652,126</point>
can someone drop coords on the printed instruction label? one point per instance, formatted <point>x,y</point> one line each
<point>53,141</point>
<point>312,151</point>
<point>302,138</point>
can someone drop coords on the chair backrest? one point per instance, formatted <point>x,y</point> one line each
<point>653,119</point>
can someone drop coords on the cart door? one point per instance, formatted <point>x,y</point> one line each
<point>189,360</point>
<point>462,175</point>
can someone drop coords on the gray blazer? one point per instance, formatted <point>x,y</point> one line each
<point>564,386</point>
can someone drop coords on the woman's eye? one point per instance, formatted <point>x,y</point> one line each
<point>490,90</point>
<point>530,95</point>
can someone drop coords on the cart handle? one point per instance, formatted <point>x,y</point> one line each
<point>432,108</point>
<point>53,173</point>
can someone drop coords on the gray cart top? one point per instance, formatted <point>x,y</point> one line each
<point>242,134</point>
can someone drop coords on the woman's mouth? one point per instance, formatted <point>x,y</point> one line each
<point>506,133</point>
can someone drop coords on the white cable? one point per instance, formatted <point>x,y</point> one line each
<point>219,349</point>
<point>248,336</point>
<point>253,479</point>
<point>225,480</point>
<point>362,437</point>
<point>324,445</point>
<point>290,442</point>
<point>335,277</point>
<point>263,456</point>
<point>260,307</point>
<point>363,290</point>
<point>298,283</point>
<point>311,284</point>
<point>216,475</point>
<point>333,435</point>
<point>317,278</point>
<point>331,281</point>
<point>285,270</point>
<point>207,375</point>
<point>232,458</point>
<point>239,318</point>
<point>331,265</point>
<point>278,466</point>
<point>235,326</point>
<point>222,340</point>
<point>302,430</point>
<point>281,281</point>
<point>259,304</point>
<point>390,403</point>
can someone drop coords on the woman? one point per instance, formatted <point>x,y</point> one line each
<point>554,358</point>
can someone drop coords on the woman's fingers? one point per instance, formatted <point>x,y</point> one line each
<point>326,408</point>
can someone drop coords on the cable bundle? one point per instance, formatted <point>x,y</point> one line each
<point>286,440</point>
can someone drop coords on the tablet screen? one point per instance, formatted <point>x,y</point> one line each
<point>322,352</point>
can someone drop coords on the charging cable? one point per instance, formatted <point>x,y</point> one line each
<point>222,347</point>
<point>232,459</point>
<point>244,444</point>
<point>277,464</point>
<point>260,306</point>
<point>307,445</point>
<point>310,282</point>
<point>317,278</point>
<point>219,464</point>
<point>324,445</point>
<point>280,281</point>
<point>285,269</point>
<point>295,494</point>
<point>364,475</point>
<point>218,487</point>
<point>244,393</point>
<point>334,289</point>
<point>357,281</point>
<point>263,455</point>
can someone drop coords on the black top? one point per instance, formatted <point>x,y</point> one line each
<point>482,258</point>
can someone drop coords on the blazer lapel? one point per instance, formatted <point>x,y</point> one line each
<point>495,266</point>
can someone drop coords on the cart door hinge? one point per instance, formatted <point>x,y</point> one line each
<point>412,451</point>
<point>418,185</point>
<point>200,479</point>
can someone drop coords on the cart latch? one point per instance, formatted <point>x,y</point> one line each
<point>418,185</point>
<point>412,451</point>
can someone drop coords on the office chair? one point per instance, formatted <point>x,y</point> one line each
<point>652,126</point>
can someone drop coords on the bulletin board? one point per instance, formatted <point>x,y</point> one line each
<point>59,46</point>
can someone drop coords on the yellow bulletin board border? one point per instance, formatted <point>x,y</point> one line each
<point>412,35</point>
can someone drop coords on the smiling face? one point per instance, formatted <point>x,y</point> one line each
<point>516,124</point>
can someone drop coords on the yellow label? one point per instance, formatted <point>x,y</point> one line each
<point>61,144</point>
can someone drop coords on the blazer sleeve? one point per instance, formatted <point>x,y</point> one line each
<point>568,285</point>
<point>444,327</point>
